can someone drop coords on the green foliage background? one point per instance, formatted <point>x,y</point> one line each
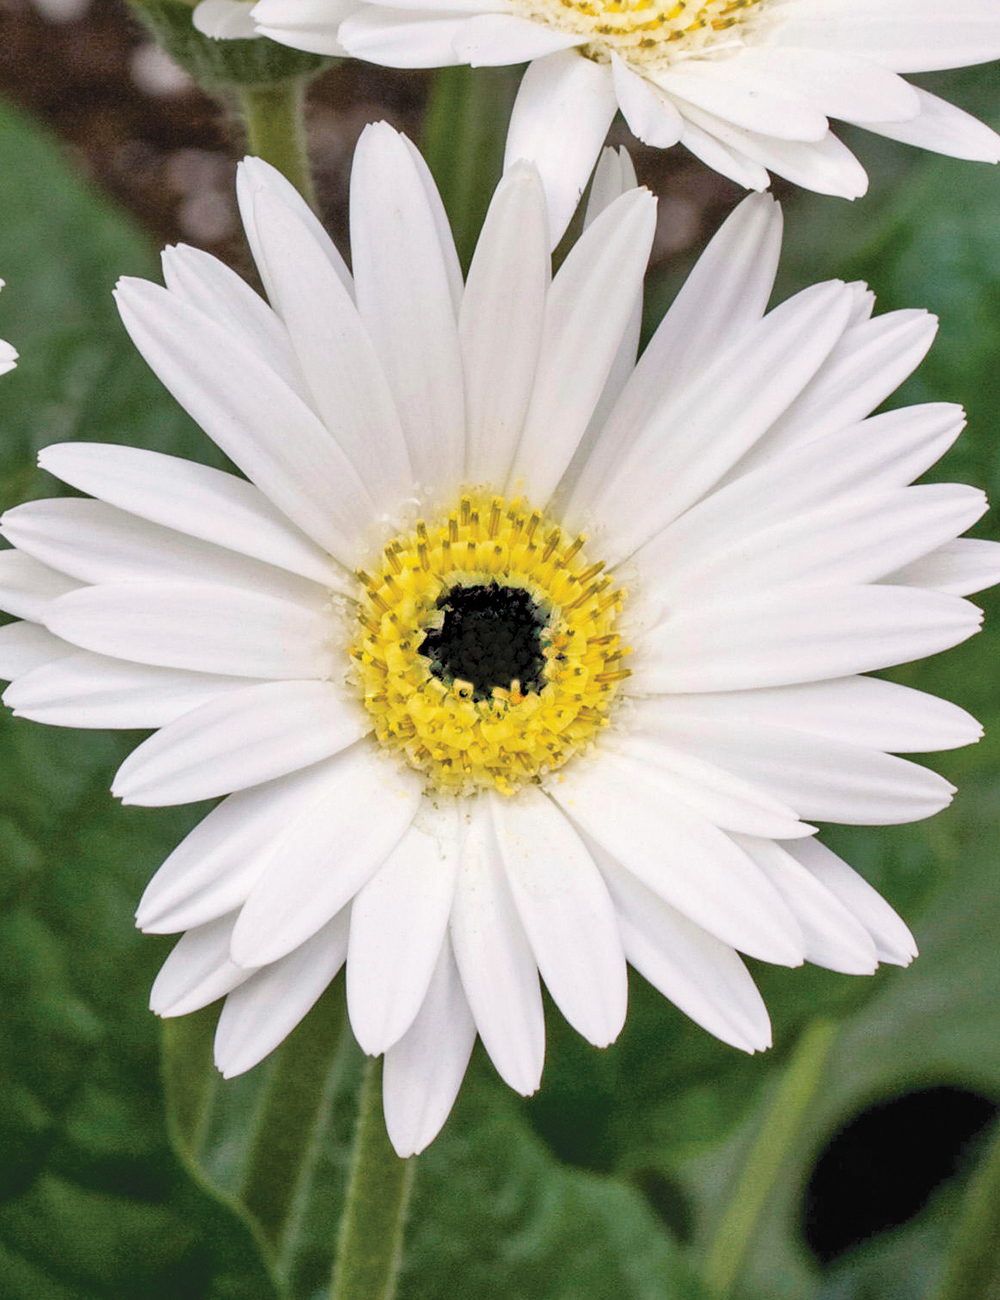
<point>134,1173</point>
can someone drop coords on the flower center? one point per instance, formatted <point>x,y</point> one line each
<point>648,33</point>
<point>486,649</point>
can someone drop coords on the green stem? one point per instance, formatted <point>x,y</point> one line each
<point>294,1107</point>
<point>973,1268</point>
<point>371,1229</point>
<point>767,1156</point>
<point>463,142</point>
<point>275,125</point>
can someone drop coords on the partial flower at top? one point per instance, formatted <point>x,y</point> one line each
<point>514,657</point>
<point>746,85</point>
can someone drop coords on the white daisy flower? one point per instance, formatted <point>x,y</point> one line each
<point>513,657</point>
<point>747,85</point>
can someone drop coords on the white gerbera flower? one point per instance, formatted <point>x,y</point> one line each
<point>513,657</point>
<point>746,85</point>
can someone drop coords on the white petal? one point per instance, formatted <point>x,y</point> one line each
<point>213,288</point>
<point>324,857</point>
<point>198,970</point>
<point>728,801</point>
<point>88,690</point>
<point>216,865</point>
<point>820,777</point>
<point>725,295</point>
<point>340,368</point>
<point>304,24</point>
<point>862,711</point>
<point>651,115</point>
<point>869,362</point>
<point>264,1010</point>
<point>399,923</point>
<point>98,543</point>
<point>500,323</point>
<point>679,854</point>
<point>694,437</point>
<point>699,974</point>
<point>893,941</point>
<point>424,1070</point>
<point>564,107</point>
<point>452,266</point>
<point>240,739</point>
<point>28,588</point>
<point>961,568</point>
<point>587,312</point>
<point>397,39</point>
<point>404,296</point>
<point>224,20</point>
<point>799,635</point>
<point>193,499</point>
<point>566,912</point>
<point>942,127</point>
<point>498,971</point>
<point>25,647</point>
<point>884,452</point>
<point>254,175</point>
<point>258,421</point>
<point>837,84</point>
<point>205,628</point>
<point>723,158</point>
<point>492,40</point>
<point>754,102</point>
<point>860,538</point>
<point>834,938</point>
<point>907,38</point>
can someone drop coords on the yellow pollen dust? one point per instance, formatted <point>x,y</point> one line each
<point>649,33</point>
<point>460,742</point>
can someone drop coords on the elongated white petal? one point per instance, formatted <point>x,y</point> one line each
<point>97,543</point>
<point>723,158</point>
<point>680,855</point>
<point>404,296</point>
<point>193,499</point>
<point>500,323</point>
<point>28,587</point>
<point>399,923</point>
<point>79,689</point>
<point>25,647</point>
<point>398,39</point>
<point>884,452</point>
<point>266,1008</point>
<point>321,860</point>
<point>589,306</point>
<point>240,739</point>
<point>961,568</point>
<point>198,970</point>
<point>893,941</point>
<point>862,711</point>
<point>799,635</point>
<point>498,971</point>
<point>493,40</point>
<point>751,101</point>
<point>214,868</point>
<point>248,411</point>
<point>727,800</point>
<point>566,912</point>
<point>820,777</point>
<point>560,119</point>
<point>943,128</point>
<point>693,439</point>
<point>201,627</point>
<point>834,938</point>
<point>652,116</point>
<point>835,83</point>
<point>424,1070</point>
<point>697,972</point>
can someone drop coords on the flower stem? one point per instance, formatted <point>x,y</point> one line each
<point>767,1156</point>
<point>371,1229</point>
<point>275,125</point>
<point>973,1268</point>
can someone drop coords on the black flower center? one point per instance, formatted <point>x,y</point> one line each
<point>491,636</point>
